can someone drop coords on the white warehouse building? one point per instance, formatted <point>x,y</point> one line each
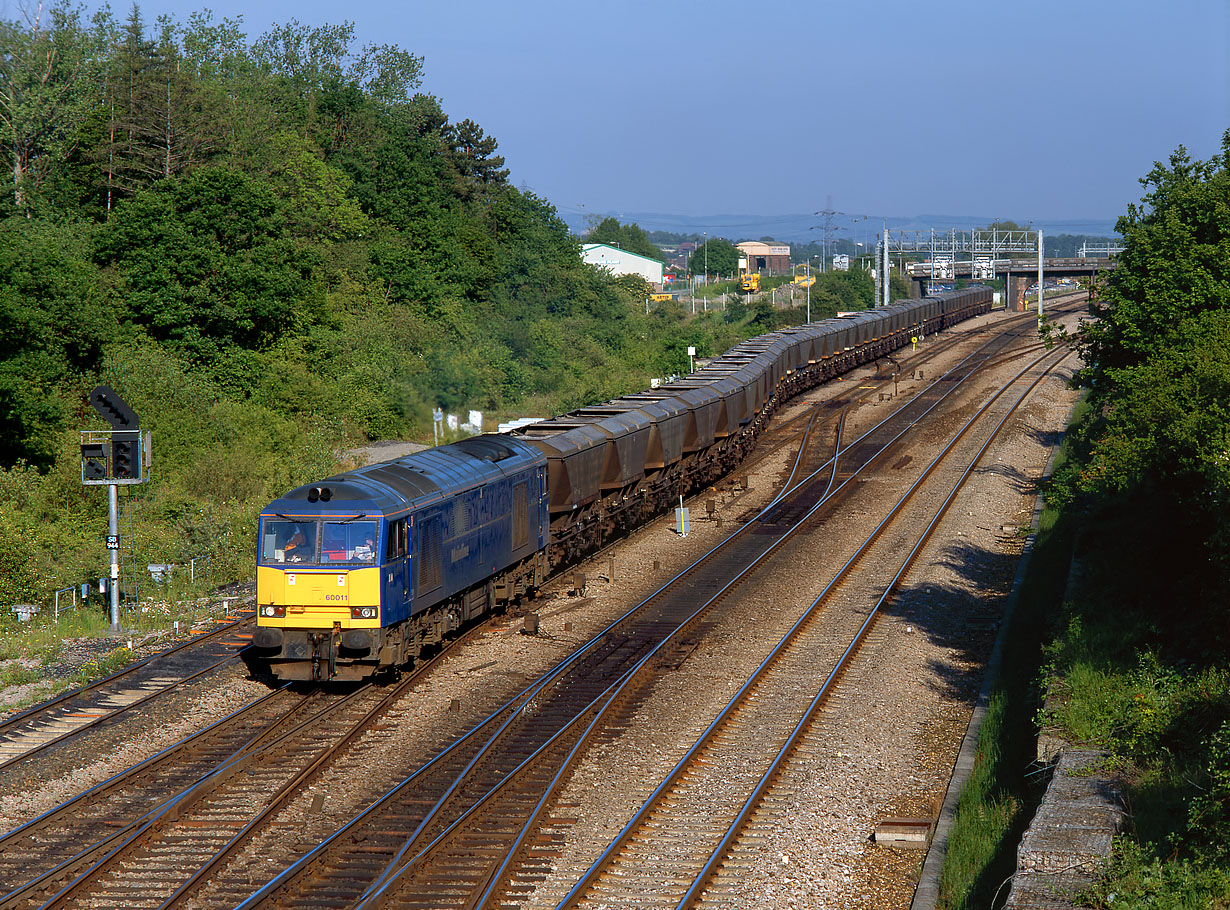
<point>621,262</point>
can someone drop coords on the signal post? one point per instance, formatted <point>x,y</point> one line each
<point>114,457</point>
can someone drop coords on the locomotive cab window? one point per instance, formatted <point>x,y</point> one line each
<point>288,542</point>
<point>348,542</point>
<point>295,542</point>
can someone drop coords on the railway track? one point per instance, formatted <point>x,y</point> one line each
<point>104,701</point>
<point>791,429</point>
<point>807,427</point>
<point>49,848</point>
<point>442,805</point>
<point>714,883</point>
<point>150,836</point>
<point>683,833</point>
<point>450,839</point>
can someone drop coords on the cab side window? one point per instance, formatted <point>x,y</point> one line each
<point>396,545</point>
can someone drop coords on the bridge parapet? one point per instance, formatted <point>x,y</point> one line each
<point>1065,266</point>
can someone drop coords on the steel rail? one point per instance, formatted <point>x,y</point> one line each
<point>500,717</point>
<point>912,360</point>
<point>376,892</point>
<point>175,806</point>
<point>990,360</point>
<point>293,786</point>
<point>399,866</point>
<point>121,711</point>
<point>740,696</point>
<point>302,864</point>
<point>399,862</point>
<point>798,459</point>
<point>42,714</point>
<point>9,722</point>
<point>736,702</point>
<point>735,829</point>
<point>119,841</point>
<point>104,789</point>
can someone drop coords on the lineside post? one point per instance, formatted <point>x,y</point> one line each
<point>887,268</point>
<point>1039,275</point>
<point>113,549</point>
<point>120,456</point>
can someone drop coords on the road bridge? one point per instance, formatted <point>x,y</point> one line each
<point>1019,273</point>
<point>992,253</point>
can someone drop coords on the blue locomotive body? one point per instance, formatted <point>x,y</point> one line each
<point>456,529</point>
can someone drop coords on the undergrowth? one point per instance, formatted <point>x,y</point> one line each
<point>1136,663</point>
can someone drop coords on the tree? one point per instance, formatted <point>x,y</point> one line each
<point>1176,261</point>
<point>237,88</point>
<point>160,117</point>
<point>478,168</point>
<point>55,321</point>
<point>715,257</point>
<point>316,196</point>
<point>313,60</point>
<point>1158,363</point>
<point>48,83</point>
<point>628,237</point>
<point>205,262</point>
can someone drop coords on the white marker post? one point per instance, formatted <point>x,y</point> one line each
<point>1039,276</point>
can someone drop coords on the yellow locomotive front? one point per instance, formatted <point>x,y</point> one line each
<point>317,582</point>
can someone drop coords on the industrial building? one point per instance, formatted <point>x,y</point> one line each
<point>621,262</point>
<point>765,258</point>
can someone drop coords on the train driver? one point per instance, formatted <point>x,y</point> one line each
<point>366,551</point>
<point>296,547</point>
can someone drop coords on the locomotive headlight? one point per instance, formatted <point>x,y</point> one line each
<point>362,612</point>
<point>271,610</point>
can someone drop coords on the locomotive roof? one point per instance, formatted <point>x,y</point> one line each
<point>412,480</point>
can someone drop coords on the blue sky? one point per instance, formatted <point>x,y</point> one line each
<point>1032,111</point>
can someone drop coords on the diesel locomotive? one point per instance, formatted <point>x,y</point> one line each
<point>364,570</point>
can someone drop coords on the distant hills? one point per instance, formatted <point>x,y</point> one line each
<point>806,228</point>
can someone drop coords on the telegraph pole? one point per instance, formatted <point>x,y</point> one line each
<point>809,289</point>
<point>828,212</point>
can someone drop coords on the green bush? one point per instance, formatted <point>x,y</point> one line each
<point>1137,877</point>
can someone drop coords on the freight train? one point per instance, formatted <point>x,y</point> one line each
<point>365,570</point>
